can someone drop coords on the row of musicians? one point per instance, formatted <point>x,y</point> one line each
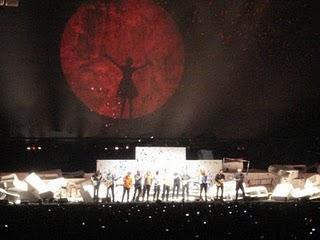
<point>165,181</point>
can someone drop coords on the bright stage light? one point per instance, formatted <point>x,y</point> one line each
<point>282,191</point>
<point>311,188</point>
<point>37,183</point>
<point>19,185</point>
<point>56,184</point>
<point>313,180</point>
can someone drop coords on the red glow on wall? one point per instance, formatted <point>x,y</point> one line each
<point>123,60</point>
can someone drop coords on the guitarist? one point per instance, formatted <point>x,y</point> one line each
<point>239,177</point>
<point>219,181</point>
<point>185,186</point>
<point>203,184</point>
<point>110,180</point>
<point>96,180</point>
<point>147,185</point>
<point>137,187</point>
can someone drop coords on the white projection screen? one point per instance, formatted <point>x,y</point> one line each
<point>163,159</point>
<point>169,159</point>
<point>118,167</point>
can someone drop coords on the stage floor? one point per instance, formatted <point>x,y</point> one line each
<point>203,220</point>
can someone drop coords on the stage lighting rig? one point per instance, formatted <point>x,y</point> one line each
<point>34,148</point>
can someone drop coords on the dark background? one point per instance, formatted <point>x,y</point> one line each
<point>248,88</point>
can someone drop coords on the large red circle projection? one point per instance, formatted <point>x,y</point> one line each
<point>123,59</point>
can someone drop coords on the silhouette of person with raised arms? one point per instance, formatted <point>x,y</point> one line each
<point>127,91</point>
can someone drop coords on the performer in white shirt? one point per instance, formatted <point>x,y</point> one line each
<point>203,184</point>
<point>156,189</point>
<point>167,180</point>
<point>185,179</point>
<point>176,185</point>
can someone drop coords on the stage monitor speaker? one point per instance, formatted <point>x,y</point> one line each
<point>86,196</point>
<point>106,200</point>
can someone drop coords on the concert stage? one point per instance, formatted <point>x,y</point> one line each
<point>55,204</point>
<point>165,166</point>
<point>202,220</point>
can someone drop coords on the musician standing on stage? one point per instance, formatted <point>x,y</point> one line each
<point>203,184</point>
<point>96,180</point>
<point>147,185</point>
<point>219,181</point>
<point>239,177</point>
<point>185,185</point>
<point>137,186</point>
<point>176,185</point>
<point>127,184</point>
<point>166,186</point>
<point>156,189</point>
<point>110,182</point>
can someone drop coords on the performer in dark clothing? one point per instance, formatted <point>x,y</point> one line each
<point>96,180</point>
<point>203,185</point>
<point>147,185</point>
<point>239,177</point>
<point>219,181</point>
<point>156,189</point>
<point>176,185</point>
<point>137,186</point>
<point>166,187</point>
<point>185,186</point>
<point>110,180</point>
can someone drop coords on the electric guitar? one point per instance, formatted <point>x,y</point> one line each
<point>108,182</point>
<point>219,183</point>
<point>95,182</point>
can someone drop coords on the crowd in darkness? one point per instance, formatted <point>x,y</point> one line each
<point>202,220</point>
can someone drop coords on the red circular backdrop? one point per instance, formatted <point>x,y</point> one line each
<point>96,44</point>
